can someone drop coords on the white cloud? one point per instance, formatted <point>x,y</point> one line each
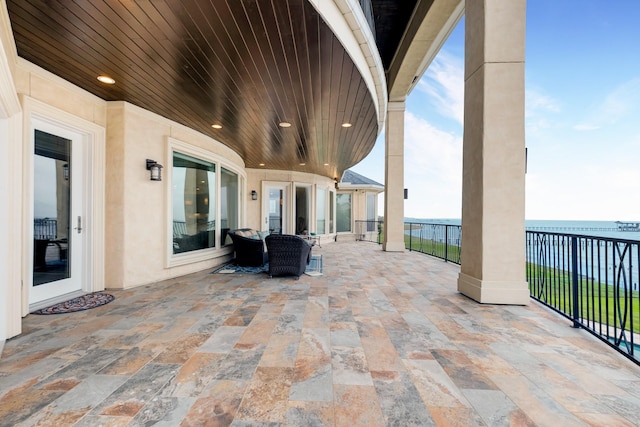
<point>619,105</point>
<point>583,193</point>
<point>583,182</point>
<point>539,107</point>
<point>536,101</point>
<point>433,170</point>
<point>443,82</point>
<point>572,173</point>
<point>585,127</point>
<point>621,102</point>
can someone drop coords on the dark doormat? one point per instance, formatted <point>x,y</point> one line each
<point>84,302</point>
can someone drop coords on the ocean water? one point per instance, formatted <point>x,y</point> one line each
<point>612,265</point>
<point>584,228</point>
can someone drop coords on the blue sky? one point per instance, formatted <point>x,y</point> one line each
<point>582,79</point>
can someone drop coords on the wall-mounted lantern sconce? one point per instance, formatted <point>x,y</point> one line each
<point>406,193</point>
<point>254,195</point>
<point>155,170</point>
<point>65,171</point>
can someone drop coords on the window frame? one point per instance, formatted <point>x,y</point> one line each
<point>174,260</point>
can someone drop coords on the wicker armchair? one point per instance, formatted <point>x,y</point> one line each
<point>249,251</point>
<point>288,255</point>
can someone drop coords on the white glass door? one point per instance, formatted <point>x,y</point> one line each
<point>274,208</point>
<point>57,212</point>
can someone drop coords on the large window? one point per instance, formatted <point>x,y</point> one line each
<point>343,212</point>
<point>229,190</point>
<point>321,210</point>
<point>194,195</point>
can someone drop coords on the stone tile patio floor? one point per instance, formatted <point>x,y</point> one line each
<point>381,339</point>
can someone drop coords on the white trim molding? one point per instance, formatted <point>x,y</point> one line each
<point>348,23</point>
<point>10,187</point>
<point>93,137</point>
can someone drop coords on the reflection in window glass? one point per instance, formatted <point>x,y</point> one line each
<point>194,184</point>
<point>321,204</point>
<point>343,212</point>
<point>332,198</point>
<point>303,204</point>
<point>371,212</point>
<point>276,210</point>
<point>51,208</point>
<point>228,203</point>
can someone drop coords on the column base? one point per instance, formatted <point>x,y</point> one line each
<point>393,246</point>
<point>494,292</point>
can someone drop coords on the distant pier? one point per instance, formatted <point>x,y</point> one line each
<point>621,226</point>
<point>628,226</point>
<point>564,229</point>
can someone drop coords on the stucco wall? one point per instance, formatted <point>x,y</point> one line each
<point>135,241</point>
<point>41,85</point>
<point>138,214</point>
<point>256,178</point>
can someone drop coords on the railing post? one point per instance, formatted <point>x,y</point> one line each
<point>446,243</point>
<point>574,281</point>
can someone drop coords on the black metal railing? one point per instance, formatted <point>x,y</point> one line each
<point>275,225</point>
<point>368,231</point>
<point>591,280</point>
<point>45,229</point>
<point>180,228</point>
<point>438,240</point>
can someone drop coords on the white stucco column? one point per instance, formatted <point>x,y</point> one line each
<point>11,191</point>
<point>394,178</point>
<point>493,187</point>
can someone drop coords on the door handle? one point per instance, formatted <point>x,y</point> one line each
<point>79,227</point>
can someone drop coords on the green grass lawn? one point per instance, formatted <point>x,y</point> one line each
<point>432,247</point>
<point>597,301</point>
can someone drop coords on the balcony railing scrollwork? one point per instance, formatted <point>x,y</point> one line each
<point>591,280</point>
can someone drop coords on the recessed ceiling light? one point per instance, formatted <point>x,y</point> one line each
<point>346,125</point>
<point>284,124</point>
<point>106,79</point>
<point>302,164</point>
<point>261,164</point>
<point>216,126</point>
<point>326,164</point>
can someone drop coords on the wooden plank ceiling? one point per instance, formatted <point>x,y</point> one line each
<point>245,64</point>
